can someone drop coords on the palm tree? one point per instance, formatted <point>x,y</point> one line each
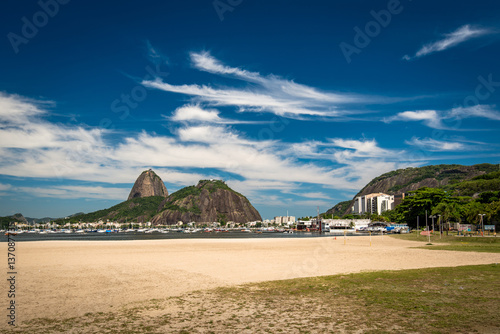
<point>447,210</point>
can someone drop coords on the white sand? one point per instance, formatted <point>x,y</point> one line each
<point>71,278</point>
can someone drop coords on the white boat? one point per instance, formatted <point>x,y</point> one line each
<point>42,232</point>
<point>101,231</point>
<point>80,231</point>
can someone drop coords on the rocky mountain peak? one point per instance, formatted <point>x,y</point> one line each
<point>148,184</point>
<point>208,201</point>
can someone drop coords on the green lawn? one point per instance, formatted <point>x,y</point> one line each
<point>456,243</point>
<point>437,300</point>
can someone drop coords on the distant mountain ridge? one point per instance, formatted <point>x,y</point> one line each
<point>16,218</point>
<point>208,201</point>
<point>400,181</point>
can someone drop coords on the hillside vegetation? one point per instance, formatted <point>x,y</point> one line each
<point>457,179</point>
<point>140,209</point>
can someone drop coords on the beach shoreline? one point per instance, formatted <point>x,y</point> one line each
<point>62,279</point>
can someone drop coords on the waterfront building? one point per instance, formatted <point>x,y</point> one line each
<point>375,203</point>
<point>284,220</point>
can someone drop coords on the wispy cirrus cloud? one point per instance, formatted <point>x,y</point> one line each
<point>73,192</point>
<point>435,118</point>
<point>269,93</point>
<point>431,118</point>
<point>434,145</point>
<point>461,35</point>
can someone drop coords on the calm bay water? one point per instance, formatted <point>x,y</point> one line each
<point>93,236</point>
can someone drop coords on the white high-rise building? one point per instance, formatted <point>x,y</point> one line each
<point>373,203</point>
<point>284,220</point>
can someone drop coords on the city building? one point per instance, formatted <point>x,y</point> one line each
<point>375,203</point>
<point>284,220</point>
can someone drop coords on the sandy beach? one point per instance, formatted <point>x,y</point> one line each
<point>59,279</point>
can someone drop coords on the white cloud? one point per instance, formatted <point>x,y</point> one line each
<point>205,62</point>
<point>434,145</point>
<point>196,113</point>
<point>4,186</point>
<point>314,195</point>
<point>15,109</point>
<point>79,153</point>
<point>313,204</point>
<point>431,118</point>
<point>461,35</point>
<point>361,148</point>
<point>434,118</point>
<point>482,111</point>
<point>265,94</point>
<point>74,192</point>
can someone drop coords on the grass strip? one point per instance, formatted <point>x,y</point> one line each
<point>456,243</point>
<point>435,300</point>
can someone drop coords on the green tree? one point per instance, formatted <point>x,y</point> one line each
<point>472,210</point>
<point>448,210</point>
<point>418,202</point>
<point>393,216</point>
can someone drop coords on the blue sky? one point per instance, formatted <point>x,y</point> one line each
<point>296,104</point>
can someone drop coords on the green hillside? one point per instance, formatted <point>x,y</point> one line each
<point>459,180</point>
<point>140,209</point>
<point>478,184</point>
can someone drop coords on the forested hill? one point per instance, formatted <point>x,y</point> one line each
<point>462,180</point>
<point>140,209</point>
<point>438,176</point>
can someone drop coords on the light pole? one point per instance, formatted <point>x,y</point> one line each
<point>427,227</point>
<point>440,227</point>
<point>432,217</point>
<point>482,223</point>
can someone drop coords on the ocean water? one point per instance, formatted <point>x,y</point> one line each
<point>94,236</point>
